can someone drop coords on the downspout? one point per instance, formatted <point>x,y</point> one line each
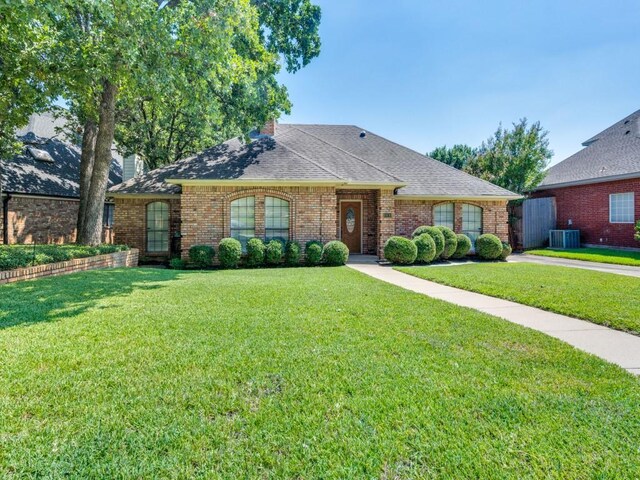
<point>5,219</point>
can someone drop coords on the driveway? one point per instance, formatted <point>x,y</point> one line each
<point>565,262</point>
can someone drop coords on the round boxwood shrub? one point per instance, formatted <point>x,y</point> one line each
<point>255,252</point>
<point>177,263</point>
<point>313,253</point>
<point>400,250</point>
<point>292,253</point>
<point>463,247</point>
<point>435,233</point>
<point>426,248</point>
<point>273,252</point>
<point>506,250</point>
<point>420,231</point>
<point>229,252</point>
<point>335,253</point>
<point>488,247</point>
<point>201,256</point>
<point>450,242</point>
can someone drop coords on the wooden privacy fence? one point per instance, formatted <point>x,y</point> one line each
<point>538,217</point>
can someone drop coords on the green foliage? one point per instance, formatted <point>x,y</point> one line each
<point>513,159</point>
<point>435,233</point>
<point>463,247</point>
<point>313,253</point>
<point>426,248</point>
<point>177,263</point>
<point>292,253</point>
<point>201,256</point>
<point>637,231</point>
<point>450,242</point>
<point>603,255</point>
<point>506,250</point>
<point>20,256</point>
<point>255,252</point>
<point>457,156</point>
<point>400,250</point>
<point>229,252</point>
<point>488,247</point>
<point>273,252</point>
<point>335,253</point>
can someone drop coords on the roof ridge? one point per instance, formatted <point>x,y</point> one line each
<point>349,153</point>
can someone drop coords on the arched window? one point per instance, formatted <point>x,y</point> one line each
<point>243,220</point>
<point>443,215</point>
<point>157,227</point>
<point>276,219</point>
<point>471,221</point>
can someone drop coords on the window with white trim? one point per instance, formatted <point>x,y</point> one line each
<point>243,220</point>
<point>443,215</point>
<point>621,207</point>
<point>276,219</point>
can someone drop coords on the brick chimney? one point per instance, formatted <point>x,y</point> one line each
<point>269,128</point>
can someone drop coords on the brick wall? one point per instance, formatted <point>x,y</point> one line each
<point>369,199</point>
<point>386,218</point>
<point>410,214</point>
<point>111,260</point>
<point>587,206</point>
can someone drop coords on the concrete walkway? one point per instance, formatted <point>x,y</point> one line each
<point>616,347</point>
<point>566,262</point>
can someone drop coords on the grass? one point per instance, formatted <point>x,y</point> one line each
<point>603,298</point>
<point>294,373</point>
<point>603,255</point>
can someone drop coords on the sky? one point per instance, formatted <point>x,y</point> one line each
<point>426,73</point>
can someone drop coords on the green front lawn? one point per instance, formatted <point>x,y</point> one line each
<point>604,298</point>
<point>603,255</point>
<point>294,373</point>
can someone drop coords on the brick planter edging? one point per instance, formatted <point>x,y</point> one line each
<point>127,258</point>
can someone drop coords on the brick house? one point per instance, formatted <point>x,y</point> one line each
<point>302,182</point>
<point>597,190</point>
<point>40,188</point>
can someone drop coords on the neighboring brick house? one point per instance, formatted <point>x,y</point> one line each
<point>40,188</point>
<point>302,182</point>
<point>597,190</point>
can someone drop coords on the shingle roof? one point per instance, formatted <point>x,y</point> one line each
<point>613,153</point>
<point>319,153</point>
<point>24,174</point>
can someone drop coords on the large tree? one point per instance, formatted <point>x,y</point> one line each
<point>457,156</point>
<point>513,158</point>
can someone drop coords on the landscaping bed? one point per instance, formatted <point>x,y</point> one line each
<point>604,298</point>
<point>21,256</point>
<point>294,373</point>
<point>602,255</point>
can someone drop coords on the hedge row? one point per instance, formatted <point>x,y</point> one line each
<point>20,256</point>
<point>259,254</point>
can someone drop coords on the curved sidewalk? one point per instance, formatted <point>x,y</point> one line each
<point>617,347</point>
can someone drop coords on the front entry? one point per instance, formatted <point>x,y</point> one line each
<point>351,225</point>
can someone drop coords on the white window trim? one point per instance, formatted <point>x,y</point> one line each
<point>633,204</point>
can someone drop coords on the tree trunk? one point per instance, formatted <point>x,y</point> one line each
<point>92,232</point>
<point>86,169</point>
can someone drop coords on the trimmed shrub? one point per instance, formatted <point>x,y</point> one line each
<point>292,253</point>
<point>273,252</point>
<point>463,247</point>
<point>255,252</point>
<point>229,252</point>
<point>201,256</point>
<point>488,247</point>
<point>450,242</point>
<point>636,235</point>
<point>313,253</point>
<point>177,263</point>
<point>506,250</point>
<point>335,253</point>
<point>435,233</point>
<point>20,256</point>
<point>426,248</point>
<point>400,250</point>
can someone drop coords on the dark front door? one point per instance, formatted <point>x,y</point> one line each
<point>351,225</point>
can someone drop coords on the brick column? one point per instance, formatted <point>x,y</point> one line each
<point>386,220</point>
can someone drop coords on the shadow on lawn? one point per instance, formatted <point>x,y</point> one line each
<point>55,298</point>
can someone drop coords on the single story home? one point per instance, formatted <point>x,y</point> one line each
<point>303,182</point>
<point>40,187</point>
<point>597,190</point>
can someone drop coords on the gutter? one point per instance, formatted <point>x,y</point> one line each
<point>458,197</point>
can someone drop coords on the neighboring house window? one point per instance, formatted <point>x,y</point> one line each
<point>443,215</point>
<point>621,208</point>
<point>243,220</point>
<point>276,219</point>
<point>107,215</point>
<point>158,227</point>
<point>471,221</point>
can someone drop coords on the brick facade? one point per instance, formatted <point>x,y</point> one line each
<point>587,206</point>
